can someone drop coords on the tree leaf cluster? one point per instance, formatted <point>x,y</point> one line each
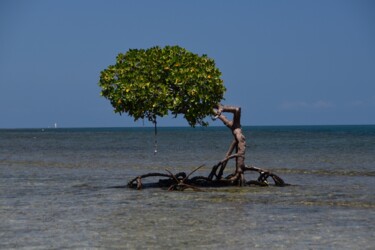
<point>147,83</point>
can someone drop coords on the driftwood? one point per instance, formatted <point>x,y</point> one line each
<point>236,151</point>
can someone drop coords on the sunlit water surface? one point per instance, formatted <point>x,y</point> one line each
<point>64,188</point>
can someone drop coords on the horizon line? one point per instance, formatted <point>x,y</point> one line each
<point>181,126</point>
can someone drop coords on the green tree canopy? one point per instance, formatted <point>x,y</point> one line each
<point>146,83</point>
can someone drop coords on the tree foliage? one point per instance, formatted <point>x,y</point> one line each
<point>146,83</point>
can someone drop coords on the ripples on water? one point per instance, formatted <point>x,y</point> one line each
<point>57,189</point>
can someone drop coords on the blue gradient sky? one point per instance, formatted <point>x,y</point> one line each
<point>283,62</point>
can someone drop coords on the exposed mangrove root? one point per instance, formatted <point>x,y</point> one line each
<point>182,181</point>
<point>177,182</point>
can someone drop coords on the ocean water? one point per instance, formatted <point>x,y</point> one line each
<point>64,189</point>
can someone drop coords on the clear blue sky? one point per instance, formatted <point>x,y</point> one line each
<point>283,62</point>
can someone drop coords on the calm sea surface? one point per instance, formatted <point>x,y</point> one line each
<point>57,189</point>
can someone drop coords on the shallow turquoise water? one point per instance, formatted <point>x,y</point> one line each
<point>57,189</point>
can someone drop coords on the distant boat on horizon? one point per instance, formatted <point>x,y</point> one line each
<point>55,124</point>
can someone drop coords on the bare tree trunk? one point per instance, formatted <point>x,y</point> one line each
<point>181,181</point>
<point>239,143</point>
